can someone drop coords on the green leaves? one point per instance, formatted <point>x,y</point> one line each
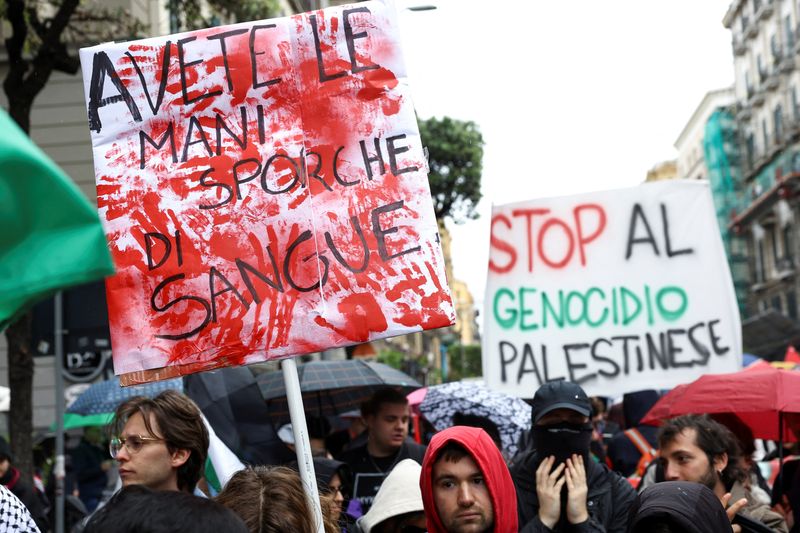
<point>455,159</point>
<point>196,14</point>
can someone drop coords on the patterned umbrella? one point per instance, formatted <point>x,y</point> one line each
<point>104,397</point>
<point>332,387</point>
<point>511,415</point>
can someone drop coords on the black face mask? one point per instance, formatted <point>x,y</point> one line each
<point>562,440</point>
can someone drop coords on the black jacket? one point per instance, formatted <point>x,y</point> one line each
<point>622,452</point>
<point>608,501</point>
<point>369,473</point>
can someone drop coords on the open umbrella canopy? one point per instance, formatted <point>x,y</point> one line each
<point>760,398</point>
<point>510,414</point>
<point>104,397</point>
<point>232,403</point>
<point>332,387</point>
<point>415,399</point>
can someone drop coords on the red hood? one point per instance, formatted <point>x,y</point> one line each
<point>495,472</point>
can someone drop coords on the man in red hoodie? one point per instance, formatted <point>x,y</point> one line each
<point>465,484</point>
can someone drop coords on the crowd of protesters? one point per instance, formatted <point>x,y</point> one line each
<point>581,468</point>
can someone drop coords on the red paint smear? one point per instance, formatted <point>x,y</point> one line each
<point>337,113</point>
<point>364,316</point>
<point>411,283</point>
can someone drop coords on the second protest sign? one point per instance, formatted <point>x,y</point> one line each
<point>617,291</point>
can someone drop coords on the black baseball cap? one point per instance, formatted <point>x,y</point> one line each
<point>560,395</point>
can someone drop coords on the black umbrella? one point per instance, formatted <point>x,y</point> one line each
<point>231,401</point>
<point>332,387</point>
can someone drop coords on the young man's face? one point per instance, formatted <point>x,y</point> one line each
<point>685,461</point>
<point>461,496</point>
<point>153,465</point>
<point>388,428</point>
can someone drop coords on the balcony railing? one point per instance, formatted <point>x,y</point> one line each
<point>739,46</point>
<point>784,267</point>
<point>773,80</point>
<point>764,11</point>
<point>757,98</point>
<point>751,30</point>
<point>744,112</point>
<point>778,142</point>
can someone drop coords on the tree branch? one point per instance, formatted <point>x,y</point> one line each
<point>52,54</point>
<point>36,24</point>
<point>15,12</point>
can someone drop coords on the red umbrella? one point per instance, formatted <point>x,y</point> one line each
<point>764,399</point>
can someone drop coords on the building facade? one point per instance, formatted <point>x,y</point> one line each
<point>766,44</point>
<point>691,163</point>
<point>708,149</point>
<point>666,170</point>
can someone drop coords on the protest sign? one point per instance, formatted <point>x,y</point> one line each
<point>616,291</point>
<point>263,190</point>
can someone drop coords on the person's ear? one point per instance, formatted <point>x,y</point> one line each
<point>721,462</point>
<point>179,457</point>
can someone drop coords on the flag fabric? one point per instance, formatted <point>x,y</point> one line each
<point>221,464</point>
<point>51,236</point>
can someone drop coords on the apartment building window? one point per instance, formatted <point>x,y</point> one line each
<point>789,34</point>
<point>751,149</point>
<point>765,134</point>
<point>776,304</point>
<point>775,47</point>
<point>778,119</point>
<point>791,305</point>
<point>795,110</point>
<point>787,243</point>
<point>759,262</point>
<point>775,254</point>
<point>762,72</point>
<point>747,85</point>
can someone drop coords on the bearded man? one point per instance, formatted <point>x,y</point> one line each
<point>699,449</point>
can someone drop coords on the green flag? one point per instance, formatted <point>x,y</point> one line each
<point>50,235</point>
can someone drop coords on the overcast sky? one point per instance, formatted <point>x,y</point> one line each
<point>570,97</point>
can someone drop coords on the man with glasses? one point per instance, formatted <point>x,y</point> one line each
<point>160,442</point>
<point>559,487</point>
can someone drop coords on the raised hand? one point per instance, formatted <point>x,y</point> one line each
<point>548,489</point>
<point>733,509</point>
<point>577,490</point>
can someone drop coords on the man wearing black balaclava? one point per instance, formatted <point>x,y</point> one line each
<point>559,487</point>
